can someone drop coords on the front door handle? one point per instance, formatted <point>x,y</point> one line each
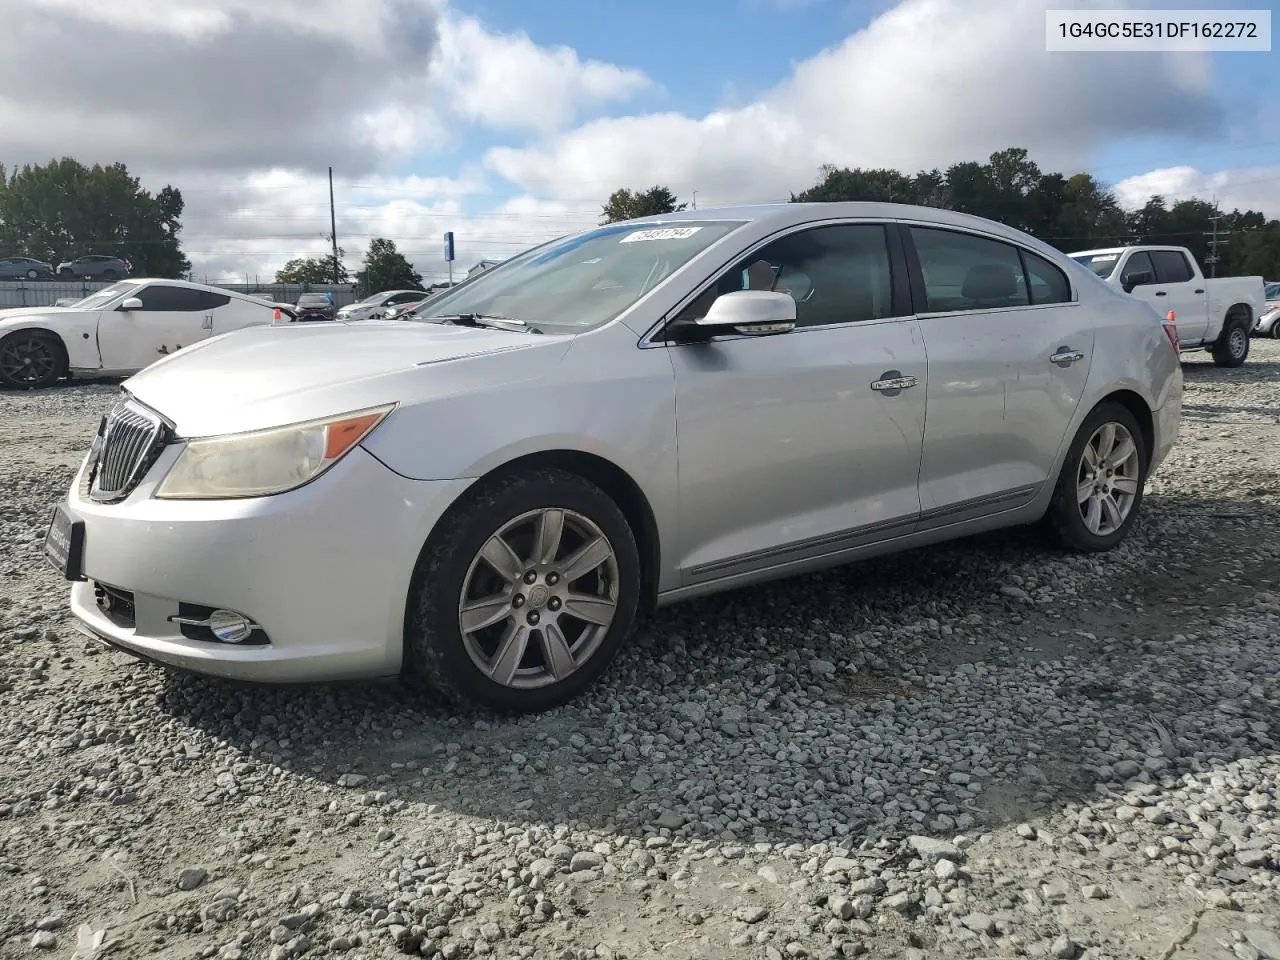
<point>1160,293</point>
<point>1200,290</point>
<point>892,382</point>
<point>1066,356</point>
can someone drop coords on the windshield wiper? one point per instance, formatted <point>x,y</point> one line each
<point>481,320</point>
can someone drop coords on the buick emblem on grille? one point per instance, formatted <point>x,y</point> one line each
<point>132,438</point>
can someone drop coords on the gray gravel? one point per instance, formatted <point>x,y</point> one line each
<point>985,749</point>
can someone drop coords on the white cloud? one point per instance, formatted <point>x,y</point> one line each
<point>1249,188</point>
<point>252,226</point>
<point>220,85</point>
<point>506,80</point>
<point>926,83</point>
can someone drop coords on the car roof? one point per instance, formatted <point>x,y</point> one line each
<point>785,214</point>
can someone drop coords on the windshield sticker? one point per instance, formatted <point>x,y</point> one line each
<point>670,233</point>
<point>1106,258</point>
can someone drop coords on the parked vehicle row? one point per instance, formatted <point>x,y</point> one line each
<point>94,267</point>
<point>1214,315</point>
<point>483,497</point>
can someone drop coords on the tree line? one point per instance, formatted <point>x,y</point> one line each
<point>63,209</point>
<point>1074,212</point>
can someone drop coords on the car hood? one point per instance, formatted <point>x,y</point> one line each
<point>266,376</point>
<point>16,316</point>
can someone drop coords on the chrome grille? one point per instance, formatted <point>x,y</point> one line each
<point>131,440</point>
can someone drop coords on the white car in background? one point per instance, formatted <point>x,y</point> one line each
<point>374,306</point>
<point>119,330</point>
<point>1268,324</point>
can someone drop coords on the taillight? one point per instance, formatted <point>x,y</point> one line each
<point>1170,326</point>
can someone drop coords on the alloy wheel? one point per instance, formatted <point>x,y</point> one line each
<point>1107,479</point>
<point>27,359</point>
<point>538,599</point>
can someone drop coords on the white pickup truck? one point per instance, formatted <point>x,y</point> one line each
<point>1215,315</point>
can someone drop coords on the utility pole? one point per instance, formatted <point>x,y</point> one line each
<point>333,229</point>
<point>1214,242</point>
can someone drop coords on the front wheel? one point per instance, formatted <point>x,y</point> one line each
<point>1099,489</point>
<point>524,594</point>
<point>1231,349</point>
<point>31,359</point>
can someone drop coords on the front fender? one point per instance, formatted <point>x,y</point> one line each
<point>78,334</point>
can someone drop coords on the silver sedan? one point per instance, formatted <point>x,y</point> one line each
<point>484,498</point>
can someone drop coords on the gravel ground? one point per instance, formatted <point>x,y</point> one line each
<point>987,749</point>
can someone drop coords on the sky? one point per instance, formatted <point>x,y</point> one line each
<point>509,122</point>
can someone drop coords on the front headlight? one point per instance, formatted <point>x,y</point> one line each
<point>266,462</point>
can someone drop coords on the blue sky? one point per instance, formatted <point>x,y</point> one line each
<point>716,53</point>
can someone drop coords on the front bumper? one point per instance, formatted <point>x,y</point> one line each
<point>324,571</point>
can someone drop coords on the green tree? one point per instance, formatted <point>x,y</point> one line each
<point>63,210</point>
<point>626,204</point>
<point>385,268</point>
<point>314,270</point>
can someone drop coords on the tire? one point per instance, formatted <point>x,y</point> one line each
<point>1275,330</point>
<point>33,275</point>
<point>66,273</point>
<point>452,571</point>
<point>1067,514</point>
<point>31,360</point>
<point>1231,349</point>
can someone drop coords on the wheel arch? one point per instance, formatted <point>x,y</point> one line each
<point>1237,311</point>
<point>616,482</point>
<point>1136,404</point>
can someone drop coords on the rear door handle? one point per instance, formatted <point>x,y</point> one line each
<point>1064,356</point>
<point>893,382</point>
<point>1161,293</point>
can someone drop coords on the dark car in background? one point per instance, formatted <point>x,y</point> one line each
<point>316,306</point>
<point>95,267</point>
<point>25,268</point>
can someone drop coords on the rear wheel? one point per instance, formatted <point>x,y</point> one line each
<point>32,275</point>
<point>31,359</point>
<point>1231,349</point>
<point>1099,489</point>
<point>525,593</point>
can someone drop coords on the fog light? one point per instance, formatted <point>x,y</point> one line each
<point>229,627</point>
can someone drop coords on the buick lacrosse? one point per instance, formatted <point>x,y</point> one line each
<point>483,498</point>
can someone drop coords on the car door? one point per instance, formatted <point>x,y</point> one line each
<point>803,444</point>
<point>1177,289</point>
<point>9,269</point>
<point>1009,354</point>
<point>171,317</point>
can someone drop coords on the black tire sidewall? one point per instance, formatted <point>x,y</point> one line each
<point>434,649</point>
<point>59,366</point>
<point>1222,355</point>
<point>1064,510</point>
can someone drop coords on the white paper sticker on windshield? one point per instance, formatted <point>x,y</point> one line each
<point>1106,257</point>
<point>668,233</point>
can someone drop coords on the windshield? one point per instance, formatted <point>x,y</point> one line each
<point>1273,291</point>
<point>313,300</point>
<point>1103,264</point>
<point>99,299</point>
<point>582,281</point>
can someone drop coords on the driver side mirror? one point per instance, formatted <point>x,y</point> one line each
<point>1137,279</point>
<point>753,313</point>
<point>132,303</point>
